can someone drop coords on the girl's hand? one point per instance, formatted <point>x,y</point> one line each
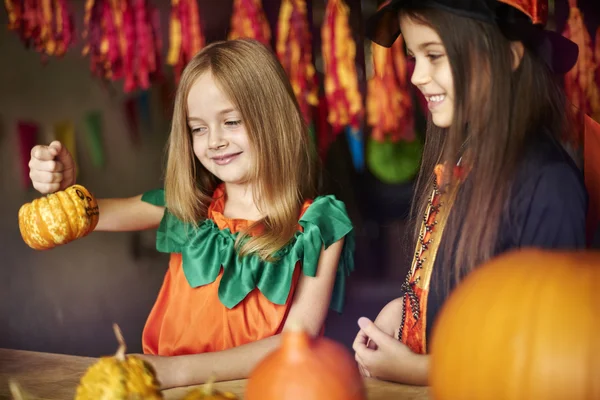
<point>382,356</point>
<point>51,168</point>
<point>388,321</point>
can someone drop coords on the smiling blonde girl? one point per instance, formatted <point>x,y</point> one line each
<point>252,246</point>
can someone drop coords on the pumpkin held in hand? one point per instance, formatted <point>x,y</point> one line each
<point>306,369</point>
<point>119,378</point>
<point>58,218</point>
<point>524,326</point>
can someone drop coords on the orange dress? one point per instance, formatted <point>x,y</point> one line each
<point>212,301</point>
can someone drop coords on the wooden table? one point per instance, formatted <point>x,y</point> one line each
<point>46,376</point>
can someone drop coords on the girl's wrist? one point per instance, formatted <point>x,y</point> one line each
<point>421,366</point>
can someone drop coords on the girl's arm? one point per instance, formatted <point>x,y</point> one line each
<point>51,168</point>
<point>128,214</point>
<point>309,308</point>
<point>386,358</point>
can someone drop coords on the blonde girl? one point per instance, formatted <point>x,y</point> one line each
<point>251,245</point>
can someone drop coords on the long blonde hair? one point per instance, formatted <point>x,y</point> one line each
<point>283,176</point>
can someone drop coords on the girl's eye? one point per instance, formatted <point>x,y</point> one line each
<point>233,123</point>
<point>434,57</point>
<point>197,131</point>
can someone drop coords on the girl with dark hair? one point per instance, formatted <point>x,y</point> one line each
<point>494,175</point>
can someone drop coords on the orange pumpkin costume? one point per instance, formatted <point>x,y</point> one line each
<point>211,300</point>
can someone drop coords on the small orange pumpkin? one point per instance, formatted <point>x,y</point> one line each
<point>58,218</point>
<point>306,369</point>
<point>524,326</point>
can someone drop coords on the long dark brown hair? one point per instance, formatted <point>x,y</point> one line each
<point>498,110</point>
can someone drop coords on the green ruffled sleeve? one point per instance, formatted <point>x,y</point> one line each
<point>325,222</point>
<point>206,248</point>
<point>172,234</point>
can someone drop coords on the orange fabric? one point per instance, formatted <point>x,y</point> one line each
<point>591,170</point>
<point>186,320</point>
<point>412,333</point>
<point>537,10</point>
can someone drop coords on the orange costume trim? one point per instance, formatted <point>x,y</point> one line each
<point>413,325</point>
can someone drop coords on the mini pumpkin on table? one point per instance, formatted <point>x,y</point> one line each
<point>306,368</point>
<point>120,377</point>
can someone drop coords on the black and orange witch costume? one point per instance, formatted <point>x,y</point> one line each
<point>550,200</point>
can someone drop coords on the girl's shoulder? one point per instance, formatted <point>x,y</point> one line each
<point>549,199</point>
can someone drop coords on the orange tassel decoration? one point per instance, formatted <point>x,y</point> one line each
<point>185,34</point>
<point>123,40</point>
<point>249,21</point>
<point>580,82</point>
<point>47,25</point>
<point>294,50</point>
<point>389,103</point>
<point>344,99</point>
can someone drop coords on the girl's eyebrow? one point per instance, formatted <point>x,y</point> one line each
<point>227,110</point>
<point>222,112</point>
<point>423,46</point>
<point>427,44</point>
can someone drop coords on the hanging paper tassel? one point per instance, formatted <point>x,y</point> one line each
<point>93,128</point>
<point>294,50</point>
<point>249,21</point>
<point>185,34</point>
<point>122,38</point>
<point>341,83</point>
<point>389,105</point>
<point>64,132</point>
<point>355,143</point>
<point>580,82</point>
<point>27,132</point>
<point>47,25</point>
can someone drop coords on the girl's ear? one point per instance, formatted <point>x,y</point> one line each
<point>517,50</point>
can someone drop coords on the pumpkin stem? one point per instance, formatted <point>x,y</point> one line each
<point>295,340</point>
<point>208,386</point>
<point>15,390</point>
<point>120,354</point>
<point>294,325</point>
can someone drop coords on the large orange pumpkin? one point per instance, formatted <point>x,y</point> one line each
<point>58,218</point>
<point>306,369</point>
<point>524,326</point>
